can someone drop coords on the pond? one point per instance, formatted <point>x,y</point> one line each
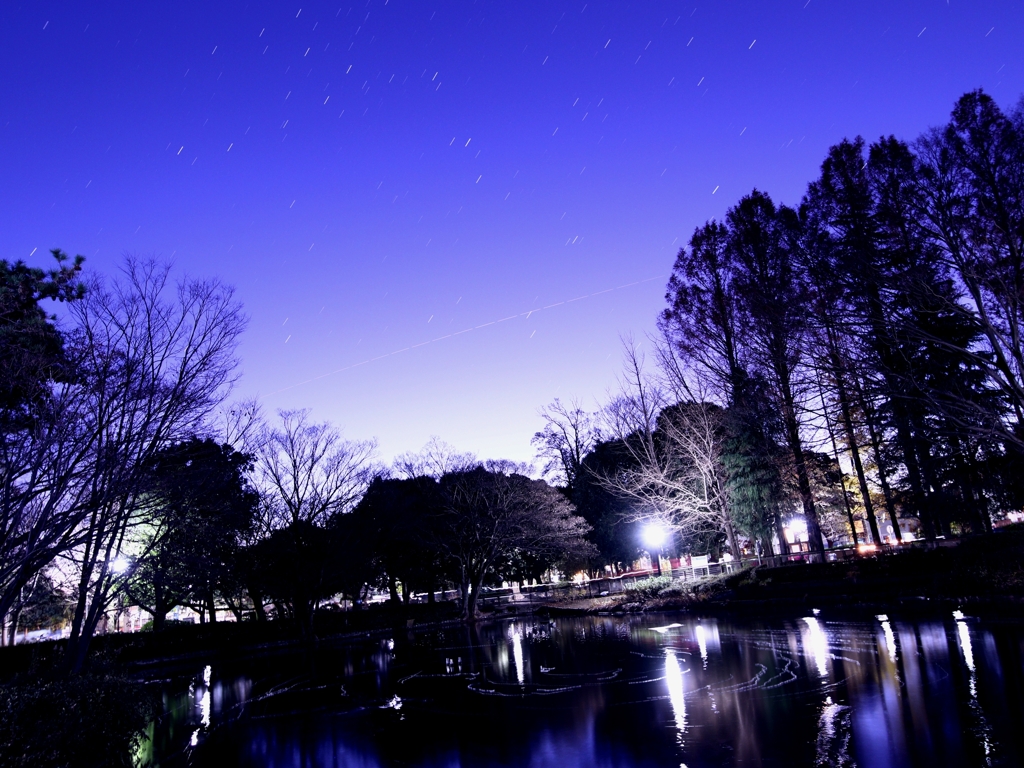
<point>650,690</point>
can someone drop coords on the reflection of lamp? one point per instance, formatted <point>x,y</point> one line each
<point>817,643</point>
<point>676,695</point>
<point>654,536</point>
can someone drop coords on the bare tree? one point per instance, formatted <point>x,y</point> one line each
<point>435,459</point>
<point>490,514</point>
<point>155,358</point>
<point>307,475</point>
<point>673,437</point>
<point>44,468</point>
<point>308,472</point>
<point>569,434</point>
<point>241,425</point>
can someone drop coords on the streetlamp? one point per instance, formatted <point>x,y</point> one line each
<point>654,536</point>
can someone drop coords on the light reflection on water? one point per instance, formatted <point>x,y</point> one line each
<point>615,691</point>
<point>674,681</point>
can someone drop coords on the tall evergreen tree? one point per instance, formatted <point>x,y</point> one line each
<point>773,298</point>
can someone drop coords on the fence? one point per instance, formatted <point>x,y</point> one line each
<point>700,567</point>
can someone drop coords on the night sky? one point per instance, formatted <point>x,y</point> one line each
<point>381,176</point>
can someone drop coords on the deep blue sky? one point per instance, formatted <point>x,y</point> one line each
<point>375,175</point>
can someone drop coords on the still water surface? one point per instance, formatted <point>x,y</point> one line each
<point>615,692</point>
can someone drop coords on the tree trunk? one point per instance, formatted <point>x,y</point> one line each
<point>802,478</point>
<point>212,607</point>
<point>780,534</point>
<point>12,629</point>
<point>846,503</point>
<point>851,442</point>
<point>302,610</point>
<point>472,611</point>
<point>74,653</point>
<point>235,608</point>
<point>835,452</point>
<point>257,604</point>
<point>159,607</point>
<point>730,535</point>
<point>883,475</point>
<point>923,451</point>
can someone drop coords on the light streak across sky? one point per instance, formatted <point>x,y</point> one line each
<point>526,314</point>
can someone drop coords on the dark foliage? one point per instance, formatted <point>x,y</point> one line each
<point>31,347</point>
<point>203,506</point>
<point>95,718</point>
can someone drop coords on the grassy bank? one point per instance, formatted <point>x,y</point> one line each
<point>984,573</point>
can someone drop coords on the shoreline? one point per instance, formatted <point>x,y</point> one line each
<point>982,576</point>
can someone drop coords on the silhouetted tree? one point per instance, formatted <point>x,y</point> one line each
<point>203,506</point>
<point>398,519</point>
<point>308,475</point>
<point>153,361</point>
<point>772,295</point>
<point>569,434</point>
<point>490,513</point>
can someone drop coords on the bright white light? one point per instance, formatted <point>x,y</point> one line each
<point>517,653</point>
<point>204,708</point>
<point>798,526</point>
<point>674,681</point>
<point>890,640</point>
<point>654,535</point>
<point>965,644</point>
<point>204,701</point>
<point>817,643</point>
<point>702,644</point>
<point>666,628</point>
<point>120,564</point>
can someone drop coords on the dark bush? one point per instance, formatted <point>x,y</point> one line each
<point>90,719</point>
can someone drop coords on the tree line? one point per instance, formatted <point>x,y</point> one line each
<point>854,360</point>
<point>128,479</point>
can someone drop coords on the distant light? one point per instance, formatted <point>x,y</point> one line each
<point>866,548</point>
<point>816,643</point>
<point>654,535</point>
<point>120,564</point>
<point>517,654</point>
<point>702,644</point>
